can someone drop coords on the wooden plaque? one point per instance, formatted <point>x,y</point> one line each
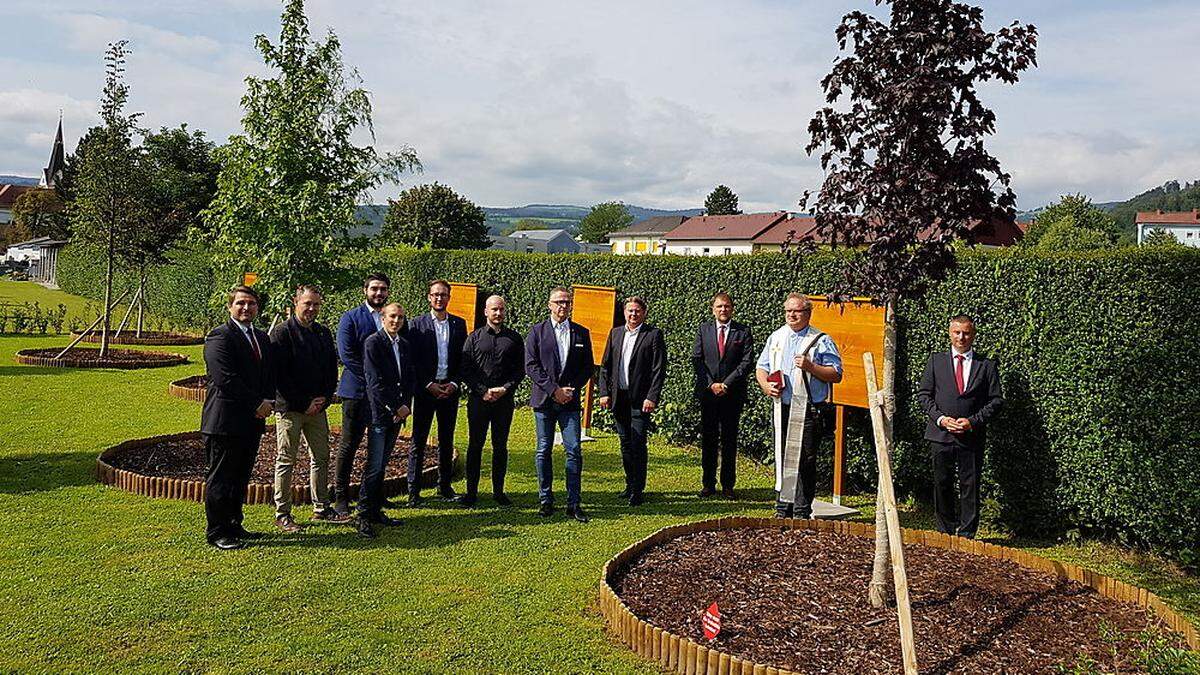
<point>462,302</point>
<point>595,309</point>
<point>856,327</point>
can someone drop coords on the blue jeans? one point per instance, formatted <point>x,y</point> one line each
<point>380,441</point>
<point>546,420</point>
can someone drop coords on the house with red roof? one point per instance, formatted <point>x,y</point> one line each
<point>1185,225</point>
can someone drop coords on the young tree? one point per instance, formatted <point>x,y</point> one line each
<point>526,224</point>
<point>721,202</point>
<point>906,169</point>
<point>435,216</point>
<point>41,212</point>
<point>603,219</point>
<point>1065,234</point>
<point>1082,214</point>
<point>1160,237</point>
<point>289,183</point>
<point>109,193</point>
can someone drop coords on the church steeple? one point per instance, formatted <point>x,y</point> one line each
<point>54,170</point>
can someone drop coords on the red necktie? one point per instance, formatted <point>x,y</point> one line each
<point>958,374</point>
<point>721,342</point>
<point>258,354</point>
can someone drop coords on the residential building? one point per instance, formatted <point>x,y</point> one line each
<point>1185,225</point>
<point>26,251</point>
<point>543,241</point>
<point>645,237</point>
<point>722,235</point>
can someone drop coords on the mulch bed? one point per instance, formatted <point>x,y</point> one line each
<point>148,337</point>
<point>84,357</point>
<point>184,459</point>
<point>797,599</point>
<point>199,383</point>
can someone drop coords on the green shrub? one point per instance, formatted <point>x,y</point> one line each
<point>1097,356</point>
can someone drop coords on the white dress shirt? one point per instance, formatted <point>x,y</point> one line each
<point>249,335</point>
<point>626,356</point>
<point>441,331</point>
<point>375,316</point>
<point>562,335</point>
<point>395,340</point>
<point>966,367</point>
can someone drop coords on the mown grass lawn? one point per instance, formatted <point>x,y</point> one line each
<point>95,579</point>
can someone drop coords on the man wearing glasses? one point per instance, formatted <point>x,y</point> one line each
<point>796,368</point>
<point>558,360</point>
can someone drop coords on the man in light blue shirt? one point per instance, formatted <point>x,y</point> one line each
<point>804,357</point>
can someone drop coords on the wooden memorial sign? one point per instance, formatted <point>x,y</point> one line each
<point>856,327</point>
<point>463,299</point>
<point>249,278</point>
<point>595,309</point>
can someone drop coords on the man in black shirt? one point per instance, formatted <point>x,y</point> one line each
<point>492,367</point>
<point>306,376</point>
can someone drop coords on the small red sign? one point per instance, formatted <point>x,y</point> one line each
<point>711,621</point>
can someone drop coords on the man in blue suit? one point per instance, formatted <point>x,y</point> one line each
<point>437,341</point>
<point>558,359</point>
<point>388,367</point>
<point>353,330</point>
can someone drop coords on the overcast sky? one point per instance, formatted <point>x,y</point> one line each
<point>651,103</point>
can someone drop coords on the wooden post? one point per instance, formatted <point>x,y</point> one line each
<point>887,491</point>
<point>90,328</point>
<point>137,297</point>
<point>589,400</point>
<point>839,453</point>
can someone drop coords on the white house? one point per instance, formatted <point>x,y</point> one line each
<point>728,235</point>
<point>645,237</point>
<point>26,251</point>
<point>1185,225</point>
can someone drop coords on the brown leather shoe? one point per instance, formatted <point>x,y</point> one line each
<point>287,524</point>
<point>331,516</point>
<point>728,493</point>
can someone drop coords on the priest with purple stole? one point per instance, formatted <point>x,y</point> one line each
<point>796,369</point>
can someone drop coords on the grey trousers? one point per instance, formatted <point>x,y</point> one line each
<point>288,429</point>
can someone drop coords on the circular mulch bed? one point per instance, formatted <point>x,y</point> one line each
<point>82,357</point>
<point>149,337</point>
<point>792,594</point>
<point>174,467</point>
<point>195,388</point>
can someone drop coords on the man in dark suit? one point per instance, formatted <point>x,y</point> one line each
<point>493,364</point>
<point>388,367</point>
<point>353,330</point>
<point>960,393</point>
<point>631,379</point>
<point>723,359</point>
<point>241,394</point>
<point>558,359</point>
<point>437,341</point>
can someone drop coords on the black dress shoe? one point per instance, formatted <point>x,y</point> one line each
<point>228,543</point>
<point>636,499</point>
<point>247,535</point>
<point>577,513</point>
<point>708,492</point>
<point>415,501</point>
<point>364,527</point>
<point>386,521</point>
<point>502,499</point>
<point>448,494</point>
<point>466,500</point>
<point>624,494</point>
<point>728,493</point>
<point>546,509</point>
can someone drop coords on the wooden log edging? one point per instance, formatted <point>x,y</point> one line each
<point>161,487</point>
<point>178,389</point>
<point>25,359</point>
<point>129,338</point>
<point>683,655</point>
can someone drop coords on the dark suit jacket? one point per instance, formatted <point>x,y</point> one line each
<point>938,395</point>
<point>733,369</point>
<point>422,339</point>
<point>647,365</point>
<point>543,368</point>
<point>353,330</point>
<point>237,382</point>
<point>388,389</point>
<point>300,375</point>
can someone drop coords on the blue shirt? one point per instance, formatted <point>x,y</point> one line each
<point>823,353</point>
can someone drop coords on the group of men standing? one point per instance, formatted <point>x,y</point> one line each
<point>393,372</point>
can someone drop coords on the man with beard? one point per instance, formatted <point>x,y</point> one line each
<point>353,330</point>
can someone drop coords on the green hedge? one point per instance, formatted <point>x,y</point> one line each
<point>1097,353</point>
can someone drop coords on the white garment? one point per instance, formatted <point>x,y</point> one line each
<point>441,331</point>
<point>562,335</point>
<point>396,353</point>
<point>786,476</point>
<point>376,316</point>
<point>627,346</point>
<point>968,358</point>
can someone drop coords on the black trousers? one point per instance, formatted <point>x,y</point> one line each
<point>807,480</point>
<point>719,419</point>
<point>481,415</point>
<point>956,472</point>
<point>230,463</point>
<point>632,426</point>
<point>356,417</point>
<point>425,407</point>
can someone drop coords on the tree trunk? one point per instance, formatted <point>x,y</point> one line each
<point>879,592</point>
<point>108,282</point>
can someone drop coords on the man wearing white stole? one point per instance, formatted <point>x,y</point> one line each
<point>796,368</point>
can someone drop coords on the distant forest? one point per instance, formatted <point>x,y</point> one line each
<point>1169,197</point>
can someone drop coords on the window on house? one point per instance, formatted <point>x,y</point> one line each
<point>628,245</point>
<point>728,250</point>
<point>640,247</point>
<point>687,250</point>
<point>705,250</point>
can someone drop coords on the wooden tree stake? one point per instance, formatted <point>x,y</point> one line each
<point>888,493</point>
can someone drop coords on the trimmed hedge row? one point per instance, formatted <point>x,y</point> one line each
<point>1097,351</point>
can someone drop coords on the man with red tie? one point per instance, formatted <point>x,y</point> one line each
<point>960,393</point>
<point>723,357</point>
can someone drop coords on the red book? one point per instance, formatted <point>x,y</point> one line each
<point>776,378</point>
